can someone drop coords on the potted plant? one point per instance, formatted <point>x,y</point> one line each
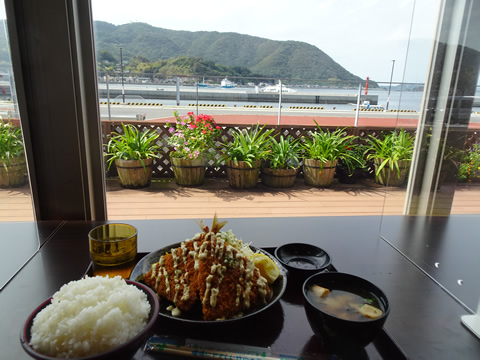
<point>350,169</point>
<point>193,144</point>
<point>133,153</point>
<point>12,156</point>
<point>243,156</point>
<point>322,150</point>
<point>392,155</point>
<point>282,162</point>
<point>469,169</point>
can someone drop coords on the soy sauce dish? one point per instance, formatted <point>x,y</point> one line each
<point>302,259</point>
<point>344,309</point>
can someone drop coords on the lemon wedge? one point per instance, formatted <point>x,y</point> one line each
<point>267,267</point>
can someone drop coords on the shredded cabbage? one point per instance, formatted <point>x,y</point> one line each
<point>230,238</point>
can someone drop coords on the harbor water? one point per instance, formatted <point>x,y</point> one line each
<point>396,100</point>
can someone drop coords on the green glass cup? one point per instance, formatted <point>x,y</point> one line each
<point>113,244</point>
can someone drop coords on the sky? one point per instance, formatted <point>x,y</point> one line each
<point>363,36</point>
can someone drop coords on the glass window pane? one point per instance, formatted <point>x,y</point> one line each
<point>15,195</point>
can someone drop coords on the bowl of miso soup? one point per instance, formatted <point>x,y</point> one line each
<point>344,309</point>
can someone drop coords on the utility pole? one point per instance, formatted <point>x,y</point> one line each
<point>390,87</point>
<point>121,67</point>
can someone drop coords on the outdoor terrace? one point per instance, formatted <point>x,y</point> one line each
<point>166,200</point>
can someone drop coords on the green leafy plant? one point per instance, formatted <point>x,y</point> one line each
<point>132,145</point>
<point>193,136</point>
<point>11,143</point>
<point>469,169</point>
<point>284,153</point>
<point>390,149</point>
<point>330,146</point>
<point>247,146</point>
<point>355,159</point>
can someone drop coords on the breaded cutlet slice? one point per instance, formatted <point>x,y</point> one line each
<point>174,277</point>
<point>229,284</point>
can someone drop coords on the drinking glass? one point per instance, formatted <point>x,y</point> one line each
<point>113,248</point>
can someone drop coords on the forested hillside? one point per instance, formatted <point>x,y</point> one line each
<point>169,51</point>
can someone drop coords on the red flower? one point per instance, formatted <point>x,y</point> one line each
<point>218,127</point>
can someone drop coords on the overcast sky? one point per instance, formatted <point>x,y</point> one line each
<point>363,36</point>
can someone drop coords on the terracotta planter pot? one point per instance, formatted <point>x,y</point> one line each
<point>391,177</point>
<point>318,173</point>
<point>189,172</point>
<point>15,173</point>
<point>132,174</point>
<point>279,178</point>
<point>241,176</point>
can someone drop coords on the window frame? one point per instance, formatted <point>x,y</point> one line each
<point>53,59</point>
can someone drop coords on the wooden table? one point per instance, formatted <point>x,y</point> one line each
<point>424,321</point>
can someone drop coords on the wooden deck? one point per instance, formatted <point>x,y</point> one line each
<point>165,200</point>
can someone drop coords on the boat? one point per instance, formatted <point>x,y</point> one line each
<point>277,87</point>
<point>367,106</point>
<point>204,85</point>
<point>225,83</point>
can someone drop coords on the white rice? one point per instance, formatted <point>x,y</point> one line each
<point>90,316</point>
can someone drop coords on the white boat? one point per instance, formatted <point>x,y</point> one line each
<point>276,89</point>
<point>225,83</point>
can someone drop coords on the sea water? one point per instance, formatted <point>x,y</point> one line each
<point>396,100</point>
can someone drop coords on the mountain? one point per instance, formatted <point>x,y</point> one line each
<point>277,59</point>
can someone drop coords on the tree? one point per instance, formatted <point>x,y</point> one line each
<point>104,55</point>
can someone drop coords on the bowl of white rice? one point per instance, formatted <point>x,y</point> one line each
<point>92,318</point>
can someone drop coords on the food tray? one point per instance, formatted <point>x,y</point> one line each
<point>283,329</point>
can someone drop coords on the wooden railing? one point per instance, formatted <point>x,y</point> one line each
<point>216,168</point>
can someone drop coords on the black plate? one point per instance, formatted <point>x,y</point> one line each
<point>144,265</point>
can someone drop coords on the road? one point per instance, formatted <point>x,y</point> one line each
<point>264,116</point>
<point>247,116</point>
<point>241,115</point>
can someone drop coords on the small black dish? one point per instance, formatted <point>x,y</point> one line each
<point>302,259</point>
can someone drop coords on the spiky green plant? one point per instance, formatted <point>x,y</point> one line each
<point>11,143</point>
<point>247,146</point>
<point>330,146</point>
<point>390,149</point>
<point>132,145</point>
<point>284,153</point>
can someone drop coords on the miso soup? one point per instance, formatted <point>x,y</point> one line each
<point>348,304</point>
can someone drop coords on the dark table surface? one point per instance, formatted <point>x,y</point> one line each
<point>392,252</point>
<point>23,240</point>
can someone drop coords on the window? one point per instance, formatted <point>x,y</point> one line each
<point>56,88</point>
<point>15,196</point>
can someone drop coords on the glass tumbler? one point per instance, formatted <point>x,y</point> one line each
<point>113,244</point>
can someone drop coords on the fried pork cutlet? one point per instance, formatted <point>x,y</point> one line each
<point>207,270</point>
<point>173,277</point>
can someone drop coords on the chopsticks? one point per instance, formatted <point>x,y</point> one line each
<point>211,350</point>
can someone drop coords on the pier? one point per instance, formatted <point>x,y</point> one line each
<point>240,95</point>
